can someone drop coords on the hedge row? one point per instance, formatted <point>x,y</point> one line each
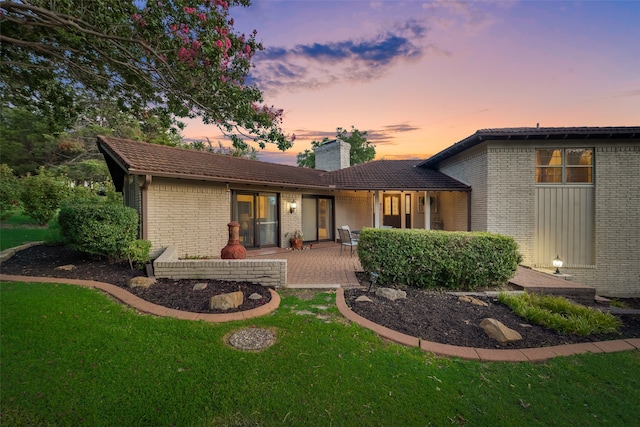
<point>438,259</point>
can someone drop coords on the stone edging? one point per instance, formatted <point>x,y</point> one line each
<point>516,355</point>
<point>150,308</point>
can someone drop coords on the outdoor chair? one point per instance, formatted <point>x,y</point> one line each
<point>355,235</point>
<point>346,239</point>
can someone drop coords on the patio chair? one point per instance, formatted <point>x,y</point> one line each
<point>355,235</point>
<point>346,239</point>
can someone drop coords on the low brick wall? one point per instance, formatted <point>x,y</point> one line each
<point>266,272</point>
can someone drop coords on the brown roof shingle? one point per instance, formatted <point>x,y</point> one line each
<point>141,158</point>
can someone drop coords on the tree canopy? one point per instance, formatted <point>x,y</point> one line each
<point>169,59</point>
<point>361,151</point>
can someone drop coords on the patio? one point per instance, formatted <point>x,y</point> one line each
<point>317,266</point>
<point>322,265</point>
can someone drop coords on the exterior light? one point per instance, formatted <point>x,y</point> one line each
<point>292,206</point>
<point>557,263</point>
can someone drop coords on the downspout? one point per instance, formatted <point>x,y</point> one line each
<point>427,211</point>
<point>376,209</point>
<point>144,208</point>
<point>468,210</point>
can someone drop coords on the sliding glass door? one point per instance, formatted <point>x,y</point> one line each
<point>317,218</point>
<point>257,214</point>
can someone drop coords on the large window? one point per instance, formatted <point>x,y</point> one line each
<point>564,166</point>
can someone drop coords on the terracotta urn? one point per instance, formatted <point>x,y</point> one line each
<point>233,250</point>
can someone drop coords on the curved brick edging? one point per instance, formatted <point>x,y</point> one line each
<point>517,355</point>
<point>150,308</point>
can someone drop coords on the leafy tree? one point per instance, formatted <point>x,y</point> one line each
<point>246,152</point>
<point>42,195</point>
<point>183,58</point>
<point>9,191</point>
<point>361,151</point>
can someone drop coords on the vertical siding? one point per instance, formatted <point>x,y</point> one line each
<point>564,225</point>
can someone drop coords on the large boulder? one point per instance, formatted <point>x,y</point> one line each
<point>226,301</point>
<point>391,294</point>
<point>498,331</point>
<point>142,282</point>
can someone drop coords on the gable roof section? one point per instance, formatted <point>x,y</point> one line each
<point>393,175</point>
<point>141,158</point>
<point>532,134</point>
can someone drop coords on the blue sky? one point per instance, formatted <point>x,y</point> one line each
<point>419,76</point>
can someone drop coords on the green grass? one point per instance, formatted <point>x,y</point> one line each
<point>73,356</point>
<point>19,229</point>
<point>560,314</point>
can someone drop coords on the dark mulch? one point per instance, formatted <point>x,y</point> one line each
<point>432,316</point>
<point>43,261</point>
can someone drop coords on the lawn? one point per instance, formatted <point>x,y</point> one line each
<point>73,356</point>
<point>19,229</point>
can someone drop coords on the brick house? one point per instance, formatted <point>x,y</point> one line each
<point>574,192</point>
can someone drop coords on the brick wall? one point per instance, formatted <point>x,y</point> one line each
<point>190,215</point>
<point>266,272</point>
<point>471,168</point>
<point>511,189</point>
<point>617,233</point>
<point>354,209</point>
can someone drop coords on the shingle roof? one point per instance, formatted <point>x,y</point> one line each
<point>393,175</point>
<point>142,158</point>
<point>537,133</point>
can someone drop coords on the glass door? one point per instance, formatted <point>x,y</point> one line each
<point>257,214</point>
<point>317,218</point>
<point>267,221</point>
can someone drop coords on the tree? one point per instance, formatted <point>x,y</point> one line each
<point>183,60</point>
<point>249,153</point>
<point>361,151</point>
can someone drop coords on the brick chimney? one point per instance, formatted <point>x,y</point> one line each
<point>333,155</point>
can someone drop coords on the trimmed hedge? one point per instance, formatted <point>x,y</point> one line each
<point>103,229</point>
<point>438,259</point>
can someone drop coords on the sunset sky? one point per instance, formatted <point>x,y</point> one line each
<point>419,76</point>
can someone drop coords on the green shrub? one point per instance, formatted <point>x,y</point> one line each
<point>138,253</point>
<point>41,196</point>
<point>9,191</point>
<point>430,259</point>
<point>560,314</point>
<point>104,229</point>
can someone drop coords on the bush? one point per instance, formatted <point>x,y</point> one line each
<point>42,195</point>
<point>100,229</point>
<point>9,191</point>
<point>138,253</point>
<point>432,259</point>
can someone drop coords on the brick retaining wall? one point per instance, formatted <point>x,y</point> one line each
<point>266,272</point>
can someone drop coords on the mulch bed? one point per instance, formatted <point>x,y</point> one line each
<point>43,261</point>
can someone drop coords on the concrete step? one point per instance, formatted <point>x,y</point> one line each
<point>544,283</point>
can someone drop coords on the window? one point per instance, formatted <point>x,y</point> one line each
<point>564,166</point>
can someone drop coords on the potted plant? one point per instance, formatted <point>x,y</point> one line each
<point>295,238</point>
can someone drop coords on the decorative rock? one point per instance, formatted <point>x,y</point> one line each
<point>498,331</point>
<point>67,267</point>
<point>472,300</point>
<point>141,282</point>
<point>200,286</point>
<point>226,301</point>
<point>321,307</point>
<point>255,295</point>
<point>363,298</point>
<point>391,294</point>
